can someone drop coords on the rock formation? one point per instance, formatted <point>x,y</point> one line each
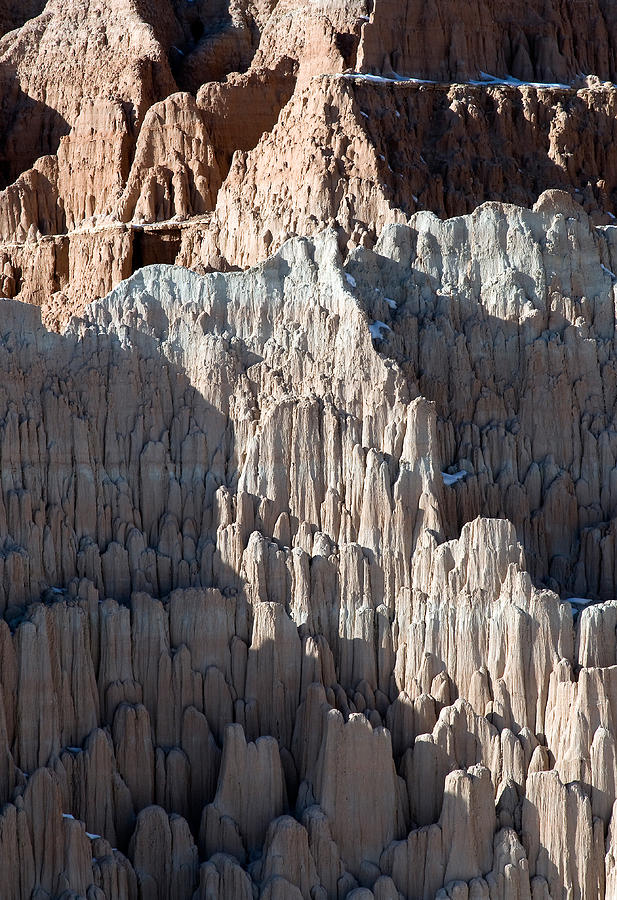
<point>533,41</point>
<point>253,639</point>
<point>208,133</point>
<point>308,467</point>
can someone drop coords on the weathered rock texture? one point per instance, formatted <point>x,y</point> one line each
<point>290,557</point>
<point>531,40</point>
<point>207,132</point>
<point>253,641</point>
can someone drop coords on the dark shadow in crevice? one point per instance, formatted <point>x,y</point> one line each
<point>160,245</point>
<point>212,44</point>
<point>29,129</point>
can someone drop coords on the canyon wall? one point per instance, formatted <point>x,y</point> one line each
<point>285,570</point>
<point>208,133</point>
<point>308,454</point>
<point>532,40</point>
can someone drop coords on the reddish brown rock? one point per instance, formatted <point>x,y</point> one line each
<point>452,41</point>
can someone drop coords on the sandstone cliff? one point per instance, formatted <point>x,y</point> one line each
<point>208,133</point>
<point>307,571</point>
<point>285,566</point>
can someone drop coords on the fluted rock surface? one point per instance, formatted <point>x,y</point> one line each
<point>308,572</point>
<point>532,40</point>
<point>284,567</point>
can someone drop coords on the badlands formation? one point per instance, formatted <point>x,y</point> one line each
<point>308,450</point>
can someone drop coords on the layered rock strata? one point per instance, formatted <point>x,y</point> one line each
<point>284,571</point>
<point>233,127</point>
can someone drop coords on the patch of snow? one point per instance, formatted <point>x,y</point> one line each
<point>415,198</point>
<point>93,837</point>
<point>382,79</point>
<point>579,601</point>
<point>397,114</point>
<point>56,590</point>
<point>398,79</point>
<point>608,272</point>
<point>487,79</point>
<point>360,76</point>
<point>68,816</point>
<point>351,280</point>
<point>364,114</point>
<point>376,330</point>
<point>390,303</point>
<point>381,156</point>
<point>449,479</point>
<point>74,749</point>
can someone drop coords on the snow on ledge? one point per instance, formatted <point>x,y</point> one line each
<point>449,479</point>
<point>376,329</point>
<point>485,80</point>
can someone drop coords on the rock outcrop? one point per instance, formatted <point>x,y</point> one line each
<point>308,571</point>
<point>533,41</point>
<point>216,131</point>
<point>284,566</point>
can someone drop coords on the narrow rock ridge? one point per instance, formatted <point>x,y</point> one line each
<point>258,636</point>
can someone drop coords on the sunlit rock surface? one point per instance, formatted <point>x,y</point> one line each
<point>255,642</point>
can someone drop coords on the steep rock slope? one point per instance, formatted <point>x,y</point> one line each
<point>346,152</point>
<point>253,640</point>
<point>62,60</point>
<point>356,154</point>
<point>208,133</point>
<point>532,40</point>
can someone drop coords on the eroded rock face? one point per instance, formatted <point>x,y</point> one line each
<point>208,133</point>
<point>259,634</point>
<point>90,49</point>
<point>285,553</point>
<point>533,41</point>
<point>375,153</point>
